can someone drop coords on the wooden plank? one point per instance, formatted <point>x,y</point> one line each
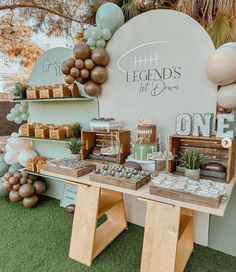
<point>84,224</point>
<point>186,197</point>
<point>160,237</point>
<point>121,182</point>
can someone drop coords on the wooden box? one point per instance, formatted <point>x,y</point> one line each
<point>68,130</point>
<point>94,139</point>
<point>61,90</point>
<point>31,166</point>
<point>120,182</point>
<point>42,133</point>
<point>27,130</point>
<point>74,90</point>
<point>210,149</point>
<point>46,92</point>
<point>32,94</point>
<point>57,133</point>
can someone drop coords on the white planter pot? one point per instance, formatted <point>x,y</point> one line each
<point>76,156</point>
<point>194,174</point>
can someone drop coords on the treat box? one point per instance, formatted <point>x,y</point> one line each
<point>61,91</point>
<point>32,94</point>
<point>57,134</point>
<point>41,133</point>
<point>31,166</point>
<point>120,182</point>
<point>27,131</point>
<point>46,93</point>
<point>211,202</point>
<point>69,171</point>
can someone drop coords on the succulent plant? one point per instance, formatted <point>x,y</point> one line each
<point>76,128</point>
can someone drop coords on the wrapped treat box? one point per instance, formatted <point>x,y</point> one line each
<point>32,93</point>
<point>27,130</point>
<point>68,130</point>
<point>61,90</point>
<point>41,131</point>
<point>31,165</point>
<point>57,133</point>
<point>46,92</point>
<point>74,90</point>
<point>37,164</point>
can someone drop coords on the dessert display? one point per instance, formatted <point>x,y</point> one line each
<point>104,124</point>
<point>36,164</point>
<point>146,141</point>
<point>121,176</point>
<point>68,166</point>
<point>50,131</point>
<point>202,192</point>
<point>53,91</point>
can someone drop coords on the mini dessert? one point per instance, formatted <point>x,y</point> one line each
<point>104,124</point>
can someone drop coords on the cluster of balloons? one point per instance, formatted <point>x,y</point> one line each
<point>23,187</point>
<point>19,113</point>
<point>109,18</point>
<point>221,70</point>
<point>20,90</point>
<point>18,151</point>
<point>87,67</point>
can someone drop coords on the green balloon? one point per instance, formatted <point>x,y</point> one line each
<point>87,33</point>
<point>14,168</point>
<point>24,116</point>
<point>110,16</point>
<point>96,33</point>
<point>14,111</point>
<point>3,191</point>
<point>106,34</point>
<point>91,42</point>
<point>2,157</point>
<point>3,168</point>
<point>15,92</point>
<point>18,120</point>
<point>23,109</point>
<point>10,117</point>
<point>101,43</point>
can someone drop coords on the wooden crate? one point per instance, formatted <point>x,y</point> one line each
<point>121,182</point>
<point>69,172</point>
<point>186,197</point>
<point>103,139</point>
<point>206,146</point>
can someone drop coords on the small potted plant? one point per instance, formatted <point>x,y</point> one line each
<point>75,145</point>
<point>76,128</point>
<point>191,159</point>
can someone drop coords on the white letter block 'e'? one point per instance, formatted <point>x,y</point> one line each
<point>226,126</point>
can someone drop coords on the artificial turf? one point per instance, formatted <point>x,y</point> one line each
<point>38,240</point>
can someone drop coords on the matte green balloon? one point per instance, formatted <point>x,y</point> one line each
<point>18,120</point>
<point>2,157</point>
<point>24,116</point>
<point>101,43</point>
<point>91,42</point>
<point>3,191</point>
<point>15,92</point>
<point>10,117</point>
<point>87,33</point>
<point>96,33</point>
<point>3,168</point>
<point>17,106</point>
<point>23,109</point>
<point>106,34</point>
<point>14,168</point>
<point>110,16</point>
<point>14,111</point>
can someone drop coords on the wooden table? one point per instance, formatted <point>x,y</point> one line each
<point>168,235</point>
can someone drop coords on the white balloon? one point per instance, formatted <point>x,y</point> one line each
<point>10,117</point>
<point>8,147</point>
<point>18,120</point>
<point>14,134</point>
<point>25,104</point>
<point>11,157</point>
<point>226,97</point>
<point>17,106</point>
<point>25,156</point>
<point>221,65</point>
<point>20,144</point>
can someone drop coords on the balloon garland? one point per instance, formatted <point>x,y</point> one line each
<point>221,70</point>
<point>19,113</point>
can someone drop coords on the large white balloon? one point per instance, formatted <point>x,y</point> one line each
<point>226,97</point>
<point>8,147</point>
<point>25,156</point>
<point>221,65</point>
<point>11,157</point>
<point>20,144</point>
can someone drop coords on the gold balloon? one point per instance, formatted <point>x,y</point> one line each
<point>65,69</point>
<point>26,190</point>
<point>69,79</point>
<point>100,56</point>
<point>70,62</point>
<point>13,180</point>
<point>7,176</point>
<point>84,73</point>
<point>29,202</point>
<point>99,74</point>
<point>80,80</point>
<point>79,63</point>
<point>81,51</point>
<point>91,88</point>
<point>74,72</point>
<point>14,196</point>
<point>6,185</point>
<point>89,64</point>
<point>39,187</point>
<point>16,187</point>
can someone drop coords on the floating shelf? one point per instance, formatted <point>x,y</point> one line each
<point>66,140</point>
<point>39,175</point>
<point>64,99</point>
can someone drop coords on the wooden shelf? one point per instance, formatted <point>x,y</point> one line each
<point>66,140</point>
<point>40,175</point>
<point>64,99</point>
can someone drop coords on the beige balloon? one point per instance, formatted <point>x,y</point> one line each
<point>226,97</point>
<point>221,65</point>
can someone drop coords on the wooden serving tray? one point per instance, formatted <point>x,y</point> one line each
<point>186,197</point>
<point>121,182</point>
<point>70,172</point>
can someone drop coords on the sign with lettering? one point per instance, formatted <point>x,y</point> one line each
<point>157,69</point>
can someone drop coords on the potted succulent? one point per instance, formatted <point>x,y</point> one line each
<point>75,145</point>
<point>191,159</point>
<point>76,128</point>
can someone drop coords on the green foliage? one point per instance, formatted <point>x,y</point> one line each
<point>191,158</point>
<point>75,145</point>
<point>77,127</point>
